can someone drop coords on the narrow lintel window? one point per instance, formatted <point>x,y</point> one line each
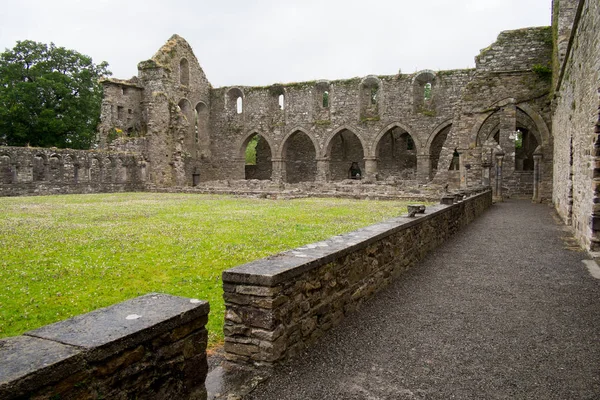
<point>281,102</point>
<point>239,105</point>
<point>184,72</point>
<point>120,112</point>
<point>326,99</point>
<point>374,91</point>
<point>427,91</point>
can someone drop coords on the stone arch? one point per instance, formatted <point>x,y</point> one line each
<point>6,169</point>
<point>343,148</point>
<point>435,144</point>
<point>184,72</point>
<point>280,152</point>
<point>370,97</point>
<point>424,83</point>
<point>40,170</point>
<point>68,169</point>
<point>201,129</point>
<point>262,167</point>
<point>234,100</point>
<point>55,164</point>
<point>299,150</point>
<point>95,170</point>
<point>323,95</point>
<point>121,175</point>
<point>396,151</point>
<point>185,106</point>
<point>541,125</point>
<point>406,128</point>
<point>108,169</point>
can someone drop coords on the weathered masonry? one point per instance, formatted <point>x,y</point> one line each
<point>278,306</point>
<point>444,127</point>
<point>26,171</point>
<point>150,347</point>
<point>460,127</point>
<point>576,117</point>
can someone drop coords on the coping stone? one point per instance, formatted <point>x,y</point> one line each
<point>27,362</point>
<point>109,330</point>
<point>281,267</point>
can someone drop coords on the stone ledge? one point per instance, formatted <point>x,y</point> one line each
<point>281,267</point>
<point>25,361</point>
<point>106,331</point>
<point>106,350</point>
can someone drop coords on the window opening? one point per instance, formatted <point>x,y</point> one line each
<point>326,99</point>
<point>239,105</point>
<point>374,91</point>
<point>427,91</point>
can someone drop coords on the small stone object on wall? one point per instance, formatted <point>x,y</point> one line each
<point>447,200</point>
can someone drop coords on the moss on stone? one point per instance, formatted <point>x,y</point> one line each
<point>370,119</point>
<point>543,72</point>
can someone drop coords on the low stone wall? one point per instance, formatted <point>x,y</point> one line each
<point>150,347</point>
<point>43,171</point>
<point>277,306</point>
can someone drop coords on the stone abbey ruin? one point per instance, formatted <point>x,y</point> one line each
<point>525,122</point>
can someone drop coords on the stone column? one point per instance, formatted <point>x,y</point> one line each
<point>322,170</point>
<point>499,161</point>
<point>537,177</point>
<point>508,135</point>
<point>485,173</point>
<point>423,168</point>
<point>370,168</point>
<point>278,170</point>
<point>462,169</point>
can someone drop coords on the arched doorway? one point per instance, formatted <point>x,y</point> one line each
<point>344,148</point>
<point>397,155</point>
<point>437,144</point>
<point>300,158</point>
<point>257,154</point>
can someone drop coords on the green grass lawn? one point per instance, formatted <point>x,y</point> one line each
<point>65,255</point>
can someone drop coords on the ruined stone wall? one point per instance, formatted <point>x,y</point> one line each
<point>121,115</point>
<point>276,307</point>
<point>392,126</point>
<point>509,91</point>
<point>151,347</point>
<point>399,104</point>
<point>34,171</point>
<point>575,123</point>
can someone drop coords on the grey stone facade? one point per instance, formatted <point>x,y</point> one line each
<point>397,128</point>
<point>576,120</point>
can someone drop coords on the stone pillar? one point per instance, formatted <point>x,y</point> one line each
<point>370,168</point>
<point>423,168</point>
<point>537,177</point>
<point>485,173</point>
<point>322,170</point>
<point>462,169</point>
<point>278,170</point>
<point>508,135</point>
<point>499,161</point>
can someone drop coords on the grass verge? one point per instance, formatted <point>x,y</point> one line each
<point>65,255</point>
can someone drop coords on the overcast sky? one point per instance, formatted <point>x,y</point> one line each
<point>259,42</point>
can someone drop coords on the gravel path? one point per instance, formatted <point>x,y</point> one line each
<point>501,311</point>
